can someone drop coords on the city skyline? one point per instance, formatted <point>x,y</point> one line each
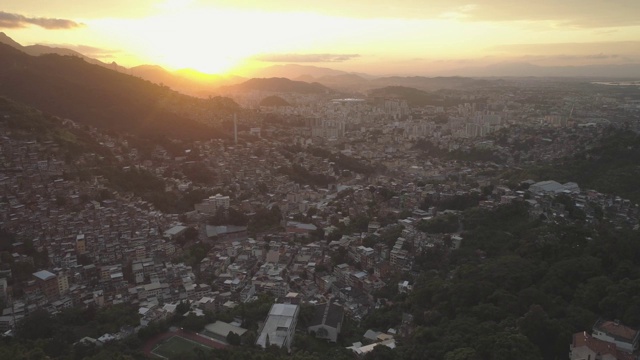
<point>380,38</point>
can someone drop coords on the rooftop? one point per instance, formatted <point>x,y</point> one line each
<point>222,328</point>
<point>599,346</point>
<point>281,318</point>
<point>616,329</point>
<point>328,314</point>
<point>44,275</point>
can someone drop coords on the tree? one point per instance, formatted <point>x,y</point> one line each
<point>462,354</point>
<point>194,323</point>
<point>380,352</point>
<point>191,234</point>
<point>233,338</point>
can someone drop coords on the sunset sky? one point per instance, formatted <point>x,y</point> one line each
<point>420,37</point>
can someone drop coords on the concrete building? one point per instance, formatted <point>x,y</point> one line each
<point>624,337</point>
<point>587,347</point>
<point>211,205</point>
<point>279,327</point>
<point>47,282</point>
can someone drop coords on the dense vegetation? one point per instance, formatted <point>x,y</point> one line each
<point>517,288</point>
<point>611,167</point>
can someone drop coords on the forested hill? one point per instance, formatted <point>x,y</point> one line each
<point>612,167</point>
<point>71,88</point>
<point>278,85</point>
<point>518,288</point>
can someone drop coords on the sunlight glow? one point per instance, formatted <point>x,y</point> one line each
<point>182,34</point>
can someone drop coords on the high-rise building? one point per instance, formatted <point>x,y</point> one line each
<point>47,282</point>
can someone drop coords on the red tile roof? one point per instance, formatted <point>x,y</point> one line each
<point>617,330</point>
<point>599,347</point>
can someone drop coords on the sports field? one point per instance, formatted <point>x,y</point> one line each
<point>176,345</point>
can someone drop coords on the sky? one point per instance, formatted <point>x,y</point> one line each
<point>417,37</point>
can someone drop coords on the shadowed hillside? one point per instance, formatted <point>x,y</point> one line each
<point>71,88</point>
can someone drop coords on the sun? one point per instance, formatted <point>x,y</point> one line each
<point>204,60</point>
<point>184,35</point>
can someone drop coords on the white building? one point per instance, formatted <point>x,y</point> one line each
<point>279,327</point>
<point>211,205</point>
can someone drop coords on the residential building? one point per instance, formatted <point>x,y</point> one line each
<point>587,347</point>
<point>624,337</point>
<point>47,282</point>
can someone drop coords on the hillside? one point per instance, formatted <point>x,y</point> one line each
<point>293,71</point>
<point>23,122</point>
<point>612,167</point>
<point>414,97</point>
<point>70,87</point>
<point>185,81</point>
<point>277,85</point>
<point>37,50</point>
<point>274,101</point>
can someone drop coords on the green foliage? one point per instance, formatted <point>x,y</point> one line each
<point>265,219</point>
<point>71,88</point>
<point>611,167</point>
<point>457,202</point>
<point>253,312</point>
<point>441,224</point>
<point>233,339</point>
<point>301,175</point>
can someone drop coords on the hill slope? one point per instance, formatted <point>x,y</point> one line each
<point>277,85</point>
<point>70,87</point>
<point>612,167</point>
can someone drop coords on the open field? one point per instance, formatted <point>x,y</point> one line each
<point>175,345</point>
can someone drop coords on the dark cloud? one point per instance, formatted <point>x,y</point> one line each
<point>14,21</point>
<point>305,58</point>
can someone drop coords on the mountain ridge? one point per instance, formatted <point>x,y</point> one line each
<point>70,87</point>
<point>277,84</point>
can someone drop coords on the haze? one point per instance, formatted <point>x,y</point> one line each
<point>404,37</point>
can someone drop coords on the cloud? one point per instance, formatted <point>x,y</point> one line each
<point>14,21</point>
<point>305,58</point>
<point>571,13</point>
<point>591,50</point>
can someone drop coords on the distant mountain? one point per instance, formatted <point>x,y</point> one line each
<point>429,83</point>
<point>277,85</point>
<point>528,69</point>
<point>37,50</point>
<point>360,83</point>
<point>294,71</point>
<point>414,97</point>
<point>187,81</point>
<point>345,82</point>
<point>274,101</point>
<point>72,88</point>
<point>9,41</point>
